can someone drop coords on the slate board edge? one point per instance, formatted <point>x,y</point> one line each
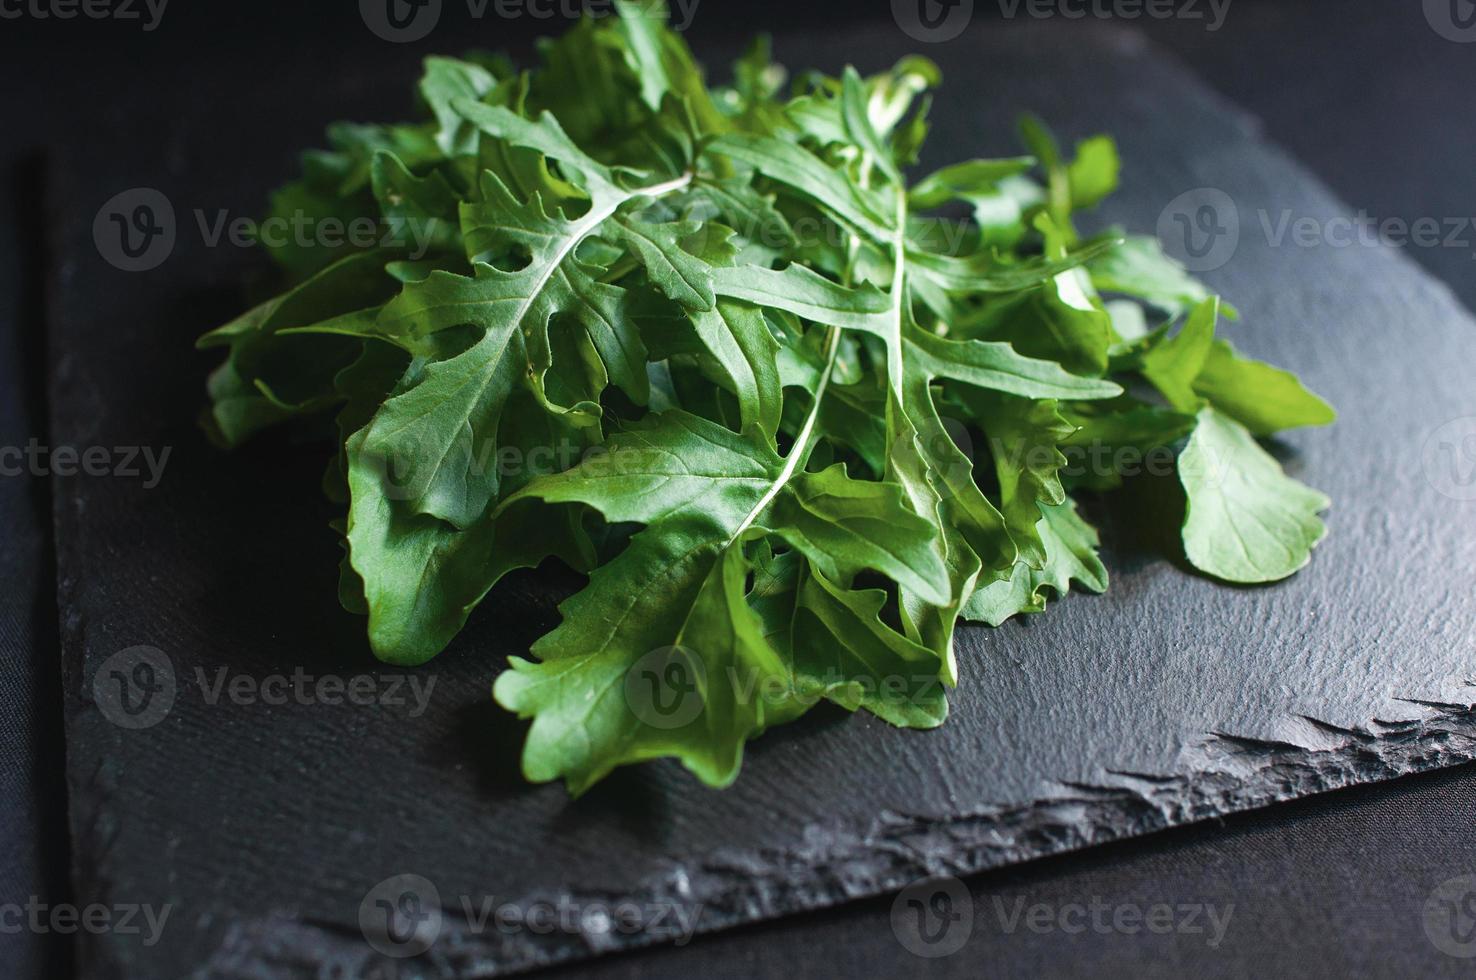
<point>837,864</point>
<point>840,865</point>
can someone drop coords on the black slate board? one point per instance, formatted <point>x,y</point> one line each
<point>1169,700</point>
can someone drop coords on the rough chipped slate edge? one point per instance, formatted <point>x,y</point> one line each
<point>838,866</point>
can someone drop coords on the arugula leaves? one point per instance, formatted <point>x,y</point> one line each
<point>703,494</point>
<point>793,416</point>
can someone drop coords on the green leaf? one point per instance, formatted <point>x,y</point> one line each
<point>997,366</point>
<point>738,340</point>
<point>739,205</point>
<point>965,181</point>
<point>269,377</point>
<point>1264,399</point>
<point>449,80</point>
<point>420,214</point>
<point>984,273</point>
<point>806,294</point>
<point>1117,438</point>
<point>1042,145</point>
<point>1246,520</point>
<point>436,439</point>
<point>1082,183</point>
<point>844,652</point>
<point>702,491</point>
<point>1070,556</point>
<point>1061,320</point>
<point>1174,364</point>
<point>335,186</point>
<point>662,61</point>
<point>1093,175</point>
<point>807,175</point>
<point>1137,266</point>
<point>446,421</point>
<point>1024,435</point>
<point>422,577</point>
<point>589,710</point>
<point>681,276</point>
<point>856,117</point>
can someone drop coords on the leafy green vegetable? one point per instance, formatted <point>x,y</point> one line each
<point>1070,555</point>
<point>793,416</point>
<point>702,492</point>
<point>1247,521</point>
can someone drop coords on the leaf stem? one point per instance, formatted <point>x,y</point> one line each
<point>583,229</point>
<point>899,282</point>
<point>665,187</point>
<point>597,217</point>
<point>800,451</point>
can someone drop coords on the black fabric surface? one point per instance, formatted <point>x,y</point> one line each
<point>1332,874</point>
<point>32,806</point>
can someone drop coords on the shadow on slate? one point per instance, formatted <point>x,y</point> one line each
<point>1169,700</point>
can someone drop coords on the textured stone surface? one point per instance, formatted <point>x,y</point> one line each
<point>1170,699</point>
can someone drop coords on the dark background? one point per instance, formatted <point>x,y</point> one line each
<point>1365,92</point>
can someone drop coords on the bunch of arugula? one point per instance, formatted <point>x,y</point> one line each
<point>710,348</point>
